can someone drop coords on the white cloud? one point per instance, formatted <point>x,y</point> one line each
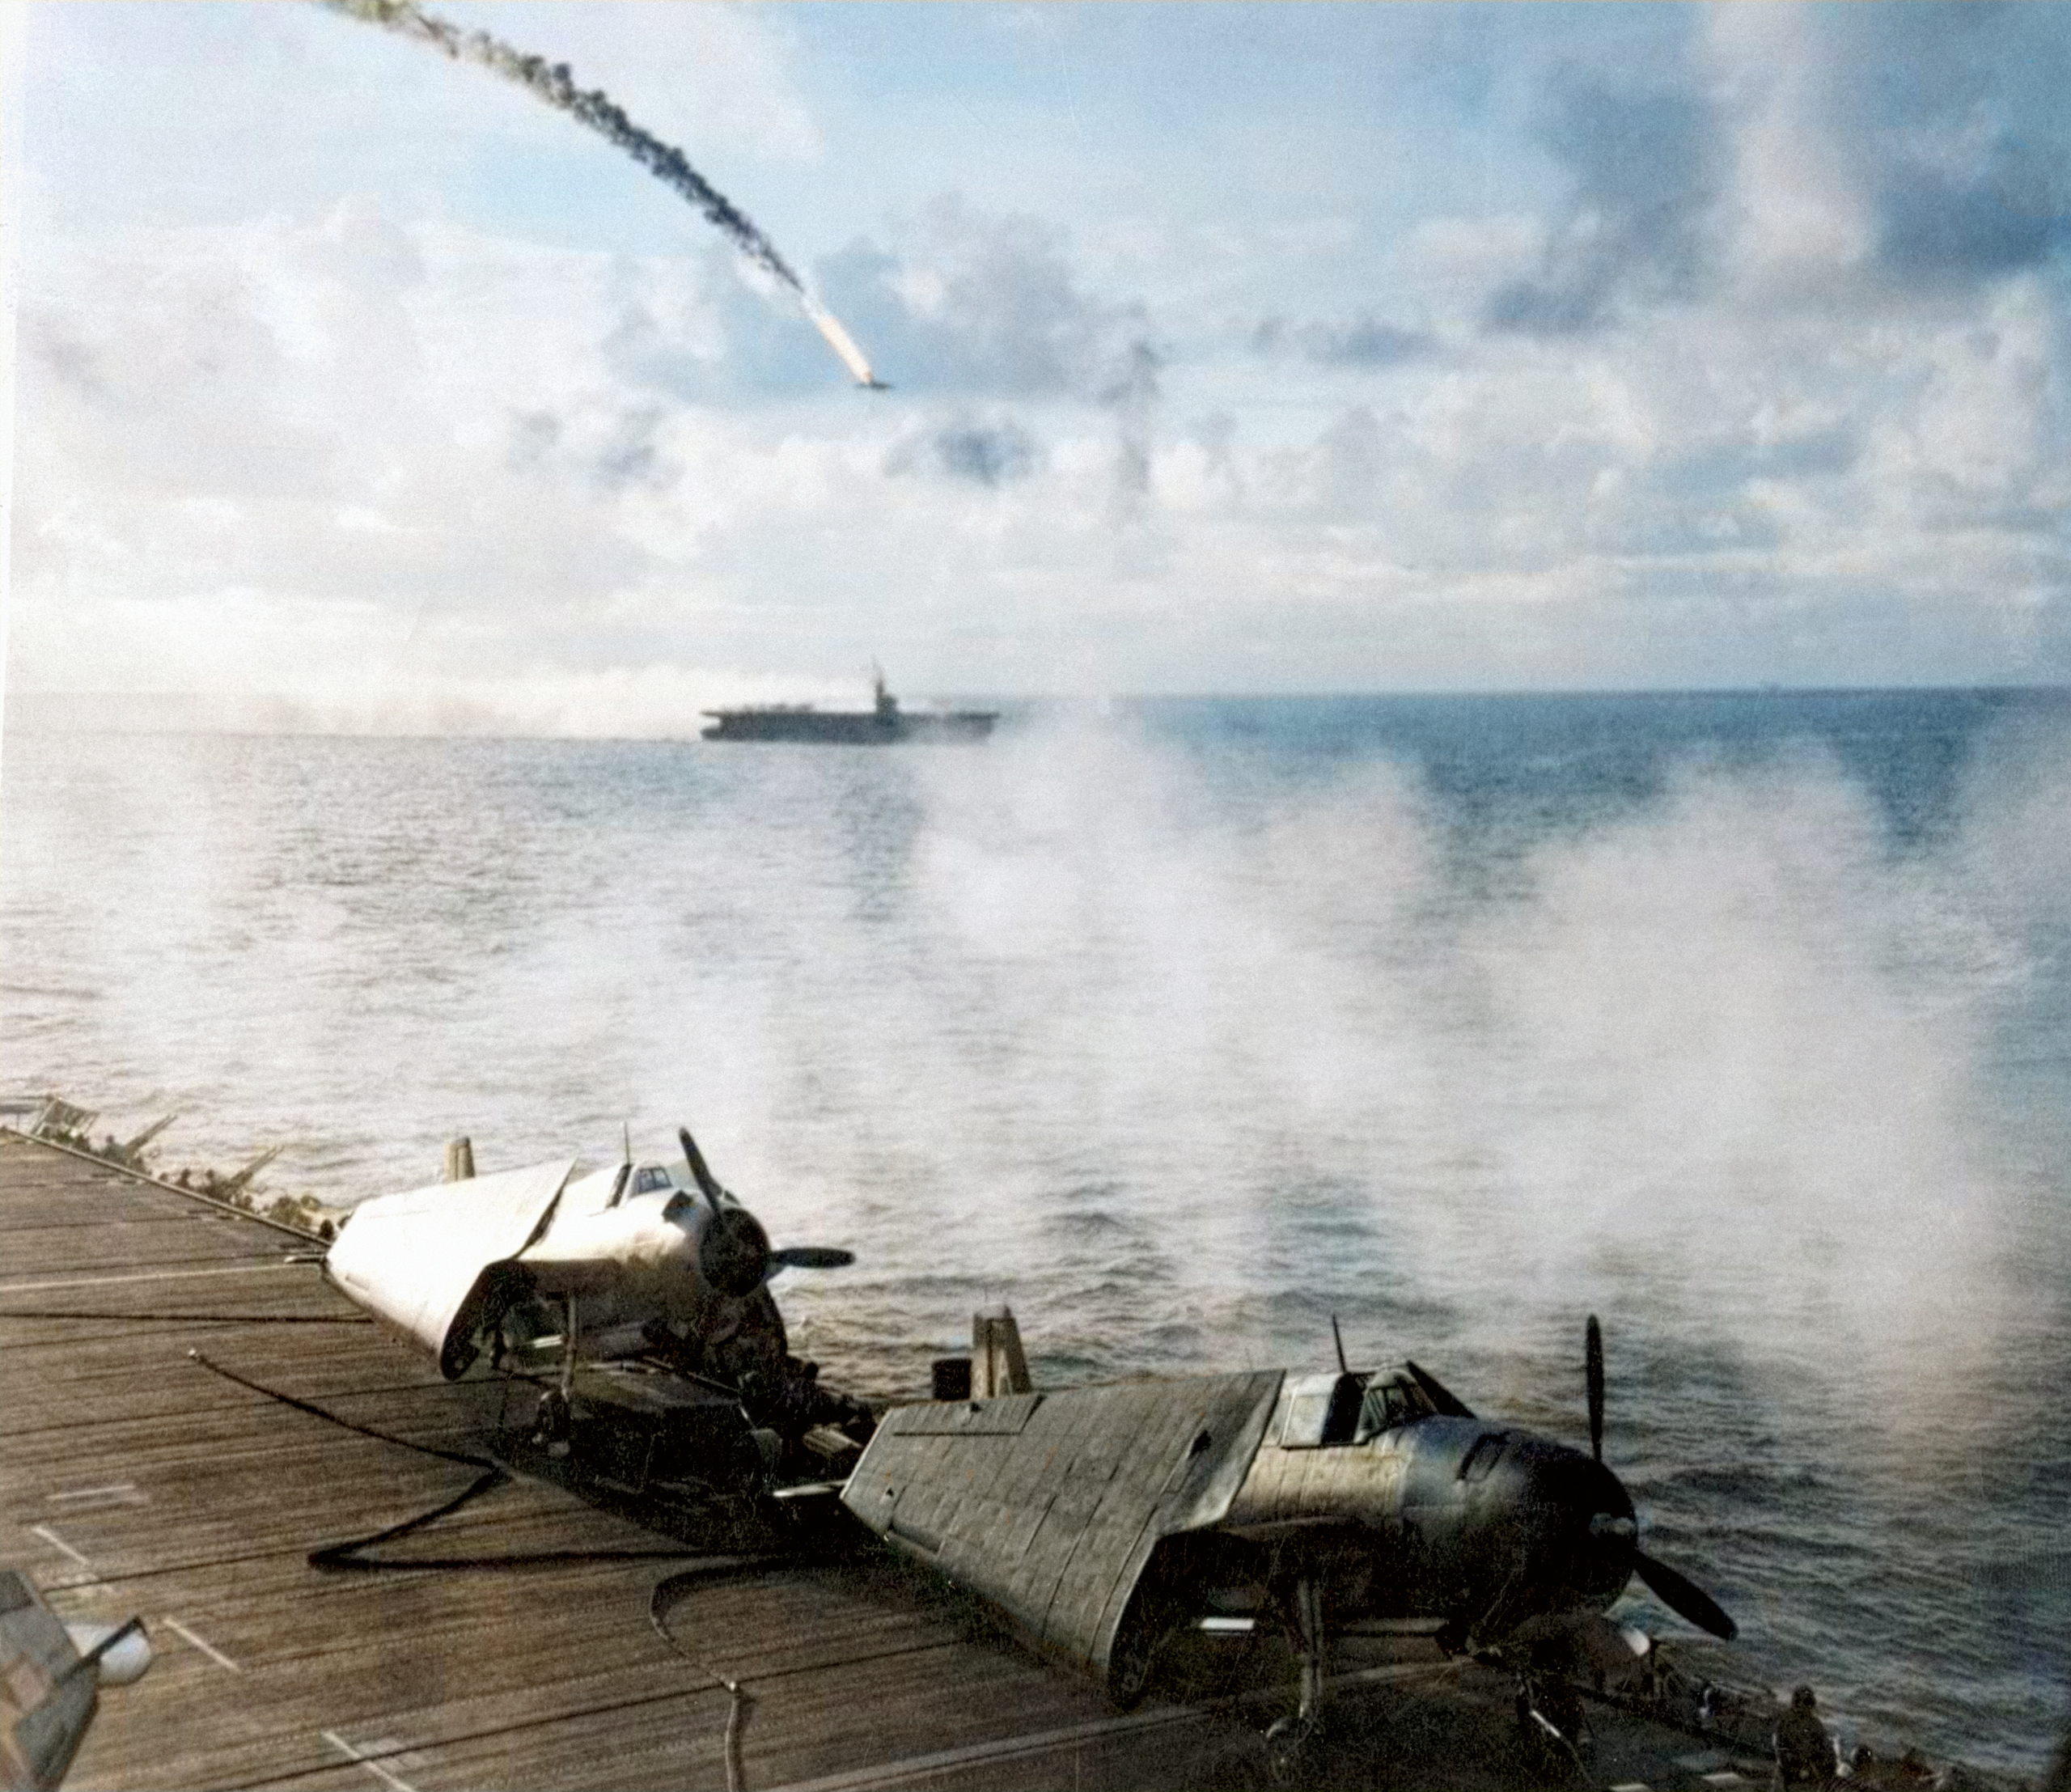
<point>1796,221</point>
<point>1990,420</point>
<point>453,474</point>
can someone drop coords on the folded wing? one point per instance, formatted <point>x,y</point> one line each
<point>424,1260</point>
<point>1051,1505</point>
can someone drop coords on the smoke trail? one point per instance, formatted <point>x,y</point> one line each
<point>592,107</point>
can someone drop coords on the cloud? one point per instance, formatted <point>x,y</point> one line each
<point>983,453</point>
<point>1988,426</point>
<point>1365,341</point>
<point>70,360</point>
<point>474,474</point>
<point>1351,462</point>
<point>1645,169</point>
<point>1966,150</point>
<point>1844,156</point>
<point>534,436</point>
<point>711,77</point>
<point>633,456</point>
<point>969,302</point>
<point>694,333</point>
<point>2006,211</point>
<point>1777,387</point>
<point>1895,151</point>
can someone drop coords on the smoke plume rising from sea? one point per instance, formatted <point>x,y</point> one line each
<point>1725,1041</point>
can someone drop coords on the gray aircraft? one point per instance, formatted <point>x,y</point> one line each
<point>50,1677</point>
<point>1101,1520</point>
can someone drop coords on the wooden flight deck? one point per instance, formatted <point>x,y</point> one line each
<point>531,1648</point>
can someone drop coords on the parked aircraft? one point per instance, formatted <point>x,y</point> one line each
<point>1101,1520</point>
<point>50,1674</point>
<point>624,1262</point>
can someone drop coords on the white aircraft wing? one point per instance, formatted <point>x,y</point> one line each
<point>415,1259</point>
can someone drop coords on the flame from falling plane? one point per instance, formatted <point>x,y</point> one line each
<point>552,83</point>
<point>841,342</point>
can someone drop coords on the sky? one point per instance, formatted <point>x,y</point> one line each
<point>1247,349</point>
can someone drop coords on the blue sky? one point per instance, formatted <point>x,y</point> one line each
<point>1243,348</point>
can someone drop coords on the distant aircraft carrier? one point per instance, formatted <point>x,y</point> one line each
<point>880,726</point>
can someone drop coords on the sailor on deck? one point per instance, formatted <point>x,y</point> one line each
<point>1805,1754</point>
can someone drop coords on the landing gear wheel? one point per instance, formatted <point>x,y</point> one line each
<point>1135,1649</point>
<point>1287,1743</point>
<point>554,1424</point>
<point>1554,1729</point>
<point>1286,1749</point>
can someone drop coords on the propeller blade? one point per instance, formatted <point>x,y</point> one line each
<point>1684,1597</point>
<point>705,1180</point>
<point>1445,1401</point>
<point>809,1256</point>
<point>1593,1370</point>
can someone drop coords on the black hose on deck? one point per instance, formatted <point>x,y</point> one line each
<point>191,1318</point>
<point>350,1557</point>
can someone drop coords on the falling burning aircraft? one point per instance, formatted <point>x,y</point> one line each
<point>592,107</point>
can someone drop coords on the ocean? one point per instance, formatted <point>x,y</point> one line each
<point>1744,1021</point>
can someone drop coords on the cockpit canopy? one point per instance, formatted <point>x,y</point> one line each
<point>1319,1412</point>
<point>1393,1399</point>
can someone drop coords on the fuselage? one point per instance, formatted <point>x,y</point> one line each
<point>1098,1519</point>
<point>1398,1512</point>
<point>641,1255</point>
<point>1478,1525</point>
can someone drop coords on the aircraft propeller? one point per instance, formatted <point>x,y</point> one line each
<point>1684,1596</point>
<point>1593,1373</point>
<point>1681,1594</point>
<point>736,1258</point>
<point>811,1257</point>
<point>700,1172</point>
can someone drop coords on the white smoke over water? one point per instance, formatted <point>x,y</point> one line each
<point>1724,1054</point>
<point>1133,398</point>
<point>1177,1053</point>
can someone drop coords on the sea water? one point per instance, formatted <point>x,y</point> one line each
<point>1744,1021</point>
